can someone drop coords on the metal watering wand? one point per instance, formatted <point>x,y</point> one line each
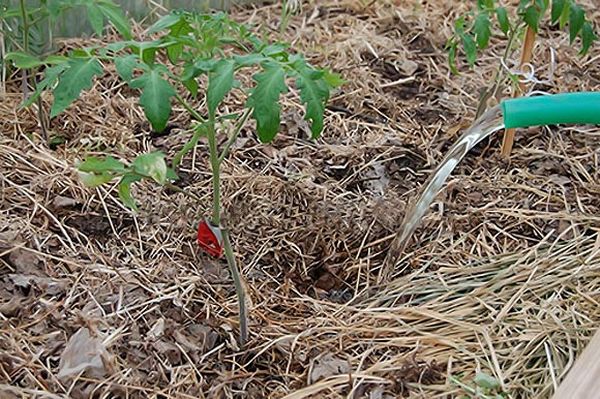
<point>554,109</point>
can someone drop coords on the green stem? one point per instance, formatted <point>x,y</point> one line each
<point>235,134</point>
<point>239,286</point>
<point>216,221</point>
<point>25,44</point>
<point>216,170</point>
<point>284,17</point>
<point>199,131</point>
<point>189,109</point>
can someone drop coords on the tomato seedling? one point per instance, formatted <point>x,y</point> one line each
<point>196,45</point>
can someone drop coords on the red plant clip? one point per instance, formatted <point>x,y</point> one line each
<point>210,238</point>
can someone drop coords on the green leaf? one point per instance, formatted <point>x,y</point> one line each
<point>249,59</point>
<point>486,381</point>
<point>452,58</point>
<point>587,38</point>
<point>576,21</point>
<point>314,93</point>
<point>115,15</point>
<point>101,165</point>
<point>532,17</point>
<point>165,22</point>
<point>152,165</point>
<point>76,78</point>
<point>470,49</point>
<point>125,66</point>
<point>178,31</point>
<point>50,77</point>
<point>172,175</point>
<point>220,82</point>
<point>125,190</point>
<point>557,9</point>
<point>481,28</point>
<point>94,180</point>
<point>502,16</point>
<point>192,86</point>
<point>199,67</point>
<point>23,60</point>
<point>96,18</point>
<point>564,17</point>
<point>459,25</point>
<point>264,100</point>
<point>334,80</point>
<point>155,98</point>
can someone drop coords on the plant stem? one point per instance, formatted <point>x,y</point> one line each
<point>239,286</point>
<point>216,170</point>
<point>216,221</point>
<point>25,45</point>
<point>235,134</point>
<point>189,109</point>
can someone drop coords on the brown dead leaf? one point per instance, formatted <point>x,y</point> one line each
<point>63,202</point>
<point>25,262</point>
<point>327,366</point>
<point>47,285</point>
<point>84,354</point>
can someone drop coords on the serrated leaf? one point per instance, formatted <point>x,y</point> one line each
<point>470,49</point>
<point>486,381</point>
<point>94,180</point>
<point>152,165</point>
<point>155,98</point>
<point>220,82</point>
<point>481,28</point>
<point>125,66</point>
<point>557,9</point>
<point>502,16</point>
<point>264,100</point>
<point>95,17</point>
<point>532,17</point>
<point>587,38</point>
<point>576,21</point>
<point>314,93</point>
<point>23,60</point>
<point>101,165</point>
<point>125,190</point>
<point>76,78</point>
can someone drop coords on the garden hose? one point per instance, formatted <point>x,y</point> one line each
<point>565,108</point>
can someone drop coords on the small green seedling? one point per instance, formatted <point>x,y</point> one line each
<point>484,387</point>
<point>26,29</point>
<point>472,32</point>
<point>204,52</point>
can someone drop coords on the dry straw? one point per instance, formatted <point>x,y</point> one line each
<point>503,276</point>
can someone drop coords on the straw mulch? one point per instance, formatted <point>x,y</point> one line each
<point>503,276</point>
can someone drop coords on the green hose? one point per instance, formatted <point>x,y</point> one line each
<point>565,108</point>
